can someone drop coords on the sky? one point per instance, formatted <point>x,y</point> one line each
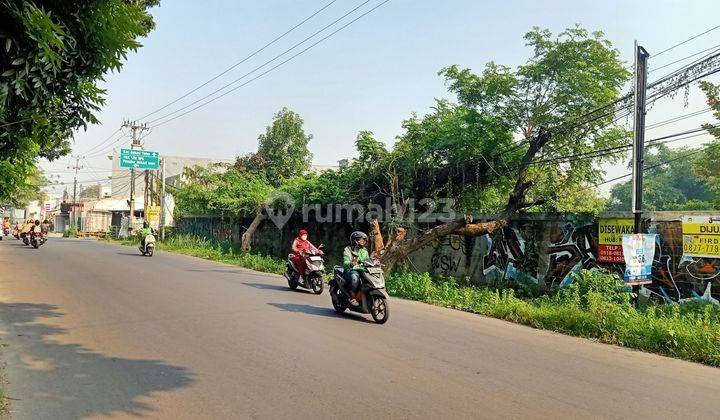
<point>371,75</point>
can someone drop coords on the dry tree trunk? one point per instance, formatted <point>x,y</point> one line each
<point>247,236</point>
<point>376,234</point>
<point>397,248</point>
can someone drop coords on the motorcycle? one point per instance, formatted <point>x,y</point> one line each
<point>372,288</point>
<point>313,278</point>
<point>25,237</point>
<point>16,232</point>
<point>37,238</point>
<point>149,245</point>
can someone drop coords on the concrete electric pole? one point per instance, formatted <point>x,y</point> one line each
<point>641,57</point>
<point>77,167</point>
<point>136,130</point>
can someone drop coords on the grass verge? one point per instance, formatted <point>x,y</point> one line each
<point>224,252</point>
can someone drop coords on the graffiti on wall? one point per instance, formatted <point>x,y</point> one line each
<point>547,253</point>
<point>521,253</point>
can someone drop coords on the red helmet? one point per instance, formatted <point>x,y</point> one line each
<point>302,232</point>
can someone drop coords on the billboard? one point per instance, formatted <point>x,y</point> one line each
<point>701,236</point>
<point>610,237</point>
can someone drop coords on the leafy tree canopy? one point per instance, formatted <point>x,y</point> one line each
<point>670,186</point>
<point>52,55</point>
<point>283,149</point>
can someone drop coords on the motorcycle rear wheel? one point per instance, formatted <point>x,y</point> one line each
<point>150,252</point>
<point>35,244</point>
<point>292,284</point>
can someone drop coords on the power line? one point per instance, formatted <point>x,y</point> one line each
<point>615,149</point>
<point>270,69</point>
<point>276,39</point>
<point>110,146</point>
<point>102,142</point>
<point>684,58</point>
<point>686,155</point>
<point>678,118</point>
<point>686,41</point>
<point>225,86</point>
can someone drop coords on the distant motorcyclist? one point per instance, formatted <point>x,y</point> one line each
<point>300,246</point>
<point>353,257</point>
<point>45,225</point>
<point>145,231</point>
<point>28,226</point>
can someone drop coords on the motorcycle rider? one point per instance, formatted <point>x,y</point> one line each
<point>353,257</point>
<point>145,231</point>
<point>300,246</point>
<point>27,227</point>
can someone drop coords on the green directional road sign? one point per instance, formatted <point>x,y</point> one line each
<point>139,159</point>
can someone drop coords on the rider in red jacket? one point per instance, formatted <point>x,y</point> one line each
<point>300,246</point>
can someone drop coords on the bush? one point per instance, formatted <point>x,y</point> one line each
<point>71,232</point>
<point>597,305</point>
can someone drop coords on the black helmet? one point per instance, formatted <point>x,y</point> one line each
<point>356,236</point>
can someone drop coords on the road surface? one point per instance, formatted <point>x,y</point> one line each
<point>95,330</point>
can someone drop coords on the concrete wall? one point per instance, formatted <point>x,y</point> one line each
<point>536,248</point>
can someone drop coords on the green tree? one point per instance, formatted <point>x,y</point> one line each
<point>707,165</point>
<point>283,148</point>
<point>670,186</point>
<point>52,54</point>
<point>30,190</point>
<point>497,148</point>
<point>92,191</point>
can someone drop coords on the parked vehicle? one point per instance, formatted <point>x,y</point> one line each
<point>147,246</point>
<point>37,237</point>
<point>312,278</point>
<point>372,288</point>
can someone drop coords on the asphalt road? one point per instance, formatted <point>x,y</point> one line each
<point>95,330</point>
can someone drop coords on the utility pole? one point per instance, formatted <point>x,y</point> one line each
<point>641,57</point>
<point>162,199</point>
<point>77,167</point>
<point>136,129</point>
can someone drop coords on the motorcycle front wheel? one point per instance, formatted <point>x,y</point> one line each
<point>335,299</point>
<point>380,310</point>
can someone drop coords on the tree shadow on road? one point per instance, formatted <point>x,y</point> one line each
<point>315,310</point>
<point>49,379</point>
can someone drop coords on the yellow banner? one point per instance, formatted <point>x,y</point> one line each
<point>701,236</point>
<point>153,214</point>
<point>611,231</point>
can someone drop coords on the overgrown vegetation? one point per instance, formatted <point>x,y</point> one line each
<point>597,305</point>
